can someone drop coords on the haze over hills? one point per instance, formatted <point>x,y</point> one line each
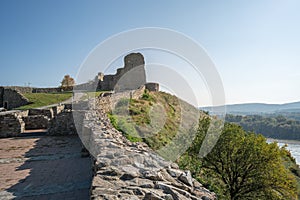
<point>258,108</point>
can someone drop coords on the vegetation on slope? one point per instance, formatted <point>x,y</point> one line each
<point>133,118</point>
<point>242,165</point>
<point>44,99</point>
<point>278,127</point>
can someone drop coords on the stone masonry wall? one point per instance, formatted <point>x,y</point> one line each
<point>13,99</point>
<point>62,124</point>
<point>126,170</point>
<point>108,102</point>
<point>23,90</point>
<point>36,122</point>
<point>20,89</point>
<point>46,112</point>
<point>1,96</point>
<point>47,90</point>
<point>130,77</point>
<point>58,109</point>
<point>152,87</point>
<point>11,123</point>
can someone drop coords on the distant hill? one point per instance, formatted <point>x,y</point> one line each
<point>258,108</point>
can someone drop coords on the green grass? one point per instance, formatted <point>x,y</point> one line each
<point>133,118</point>
<point>44,99</point>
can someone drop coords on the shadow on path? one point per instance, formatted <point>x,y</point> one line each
<point>44,167</point>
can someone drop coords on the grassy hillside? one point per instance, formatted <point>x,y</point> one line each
<point>154,118</point>
<point>157,119</point>
<point>44,99</point>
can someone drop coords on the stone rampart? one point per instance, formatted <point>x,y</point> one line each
<point>126,170</point>
<point>152,87</point>
<point>130,77</point>
<point>108,101</point>
<point>47,90</point>
<point>20,89</point>
<point>36,122</point>
<point>25,89</point>
<point>46,112</point>
<point>10,98</point>
<point>11,123</point>
<point>62,124</point>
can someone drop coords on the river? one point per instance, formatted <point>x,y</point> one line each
<point>293,147</point>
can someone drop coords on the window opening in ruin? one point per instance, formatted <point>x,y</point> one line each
<point>5,104</point>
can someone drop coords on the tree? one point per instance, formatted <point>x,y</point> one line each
<point>67,82</point>
<point>248,167</point>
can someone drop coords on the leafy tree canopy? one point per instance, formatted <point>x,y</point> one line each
<point>241,166</point>
<point>67,82</point>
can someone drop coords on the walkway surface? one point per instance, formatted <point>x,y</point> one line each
<point>44,167</point>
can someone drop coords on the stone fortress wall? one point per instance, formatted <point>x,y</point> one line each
<point>126,170</point>
<point>15,122</point>
<point>129,77</point>
<point>11,123</point>
<point>122,169</point>
<point>10,98</point>
<point>23,90</point>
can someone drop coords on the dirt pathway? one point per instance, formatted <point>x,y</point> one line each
<point>44,167</point>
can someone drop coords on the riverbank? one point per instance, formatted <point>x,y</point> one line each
<point>292,145</point>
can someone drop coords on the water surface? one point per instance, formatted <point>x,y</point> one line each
<point>293,147</point>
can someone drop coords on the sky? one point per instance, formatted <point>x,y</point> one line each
<point>255,45</point>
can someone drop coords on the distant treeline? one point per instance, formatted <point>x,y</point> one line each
<point>279,127</point>
<point>290,115</point>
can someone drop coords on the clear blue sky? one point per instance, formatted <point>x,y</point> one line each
<point>254,44</point>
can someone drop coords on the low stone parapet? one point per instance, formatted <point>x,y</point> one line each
<point>62,124</point>
<point>46,112</point>
<point>36,122</point>
<point>11,123</point>
<point>126,170</point>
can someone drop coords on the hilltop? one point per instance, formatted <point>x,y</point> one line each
<point>259,108</point>
<point>135,121</point>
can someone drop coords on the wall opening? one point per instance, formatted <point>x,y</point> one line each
<point>5,105</point>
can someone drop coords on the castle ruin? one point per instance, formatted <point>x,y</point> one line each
<point>10,98</point>
<point>129,77</point>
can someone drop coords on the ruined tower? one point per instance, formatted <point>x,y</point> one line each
<point>130,77</point>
